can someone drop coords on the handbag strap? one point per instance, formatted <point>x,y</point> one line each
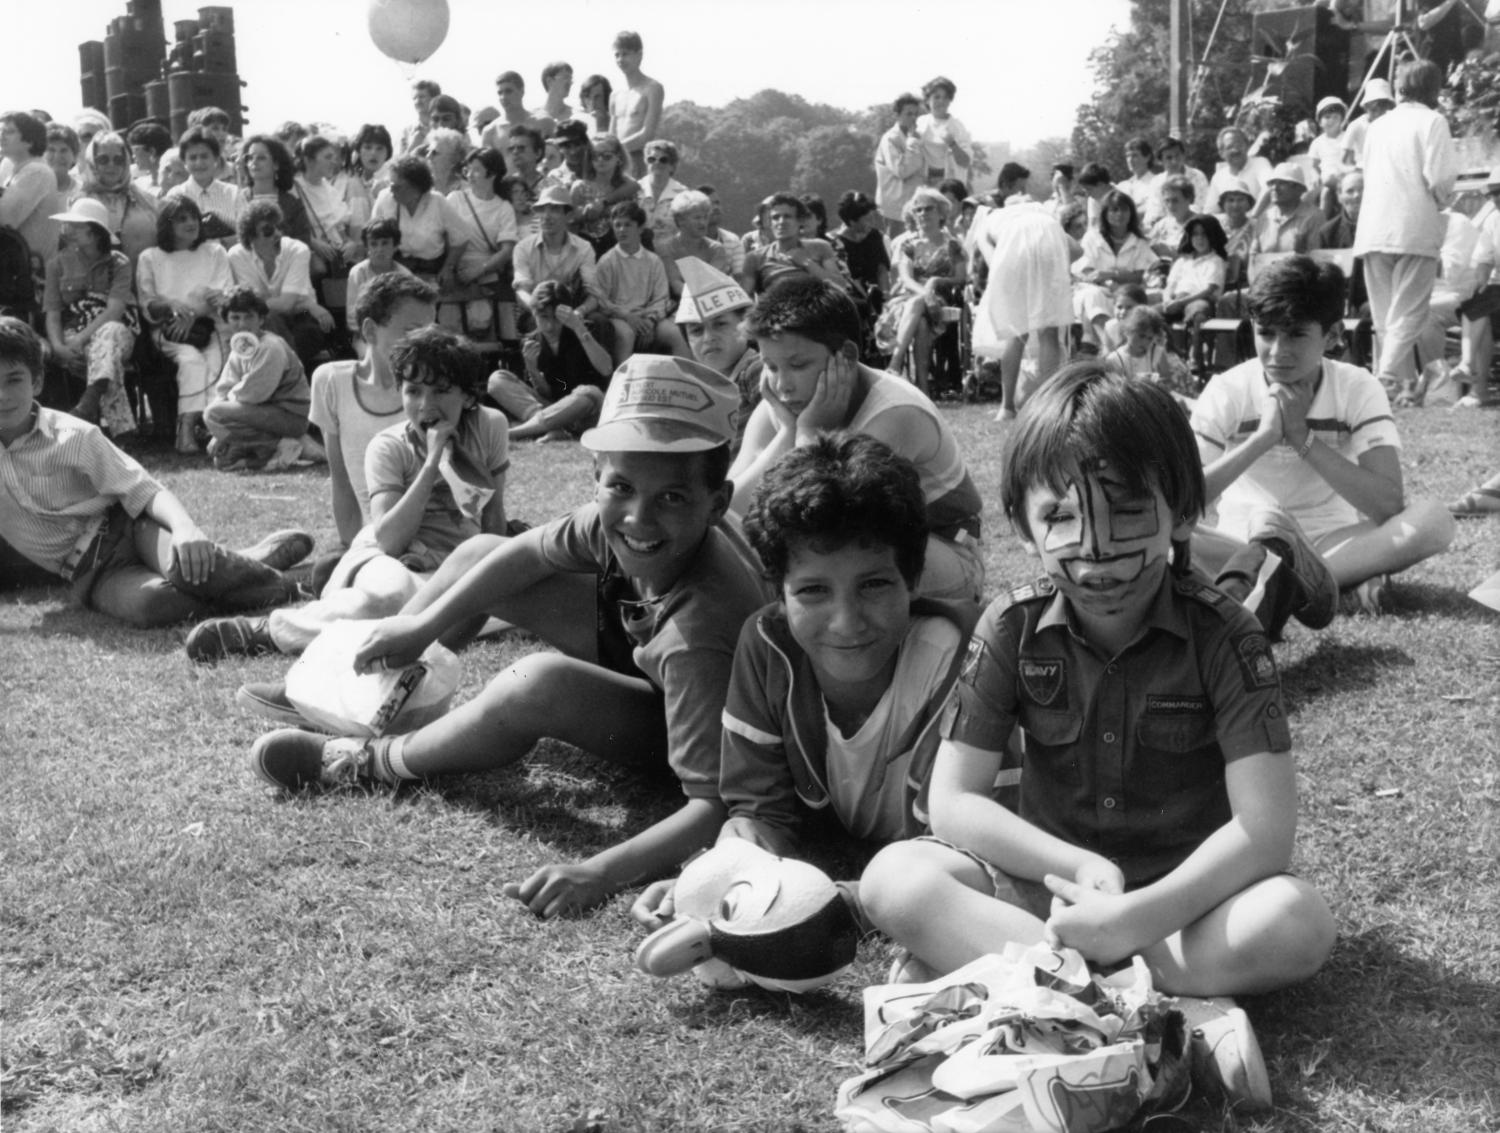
<point>469,200</point>
<point>312,212</point>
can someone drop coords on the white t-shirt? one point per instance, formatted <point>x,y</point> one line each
<point>1350,413</point>
<point>355,411</point>
<point>867,771</point>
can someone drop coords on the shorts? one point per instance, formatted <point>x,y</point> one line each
<point>1029,896</point>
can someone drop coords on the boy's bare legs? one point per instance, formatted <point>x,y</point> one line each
<point>1367,550</point>
<point>380,588</point>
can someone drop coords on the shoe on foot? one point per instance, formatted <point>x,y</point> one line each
<point>268,700</point>
<point>217,638</point>
<point>281,550</point>
<point>312,449</point>
<point>1225,1056</point>
<point>288,758</point>
<point>1279,533</point>
<point>286,454</point>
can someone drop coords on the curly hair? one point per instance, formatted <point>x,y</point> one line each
<point>281,160</point>
<point>802,305</point>
<point>843,489</point>
<point>378,298</point>
<point>436,356</point>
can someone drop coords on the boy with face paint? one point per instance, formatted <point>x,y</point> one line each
<point>1158,795</point>
<point>711,315</point>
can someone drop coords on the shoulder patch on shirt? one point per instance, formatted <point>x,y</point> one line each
<point>1041,588</point>
<point>1209,595</point>
<point>1169,704</point>
<point>1253,652</point>
<point>1043,678</point>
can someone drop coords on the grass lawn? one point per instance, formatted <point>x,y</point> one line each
<point>183,951</point>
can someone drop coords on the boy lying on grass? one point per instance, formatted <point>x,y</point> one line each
<point>839,684</point>
<point>435,480</point>
<point>78,508</point>
<point>1158,796</point>
<point>642,593</point>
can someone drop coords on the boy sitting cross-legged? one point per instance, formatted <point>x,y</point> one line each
<point>435,479</point>
<point>1158,794</point>
<point>77,507</point>
<point>642,592</point>
<point>262,396</point>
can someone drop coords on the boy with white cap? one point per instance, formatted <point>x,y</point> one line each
<point>641,592</point>
<point>1292,221</point>
<point>711,315</point>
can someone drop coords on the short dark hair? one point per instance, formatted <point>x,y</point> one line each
<point>942,82</point>
<point>378,298</point>
<point>309,148</point>
<point>414,171</point>
<point>1066,169</point>
<point>436,356</point>
<point>534,137</point>
<point>153,136</point>
<point>1170,142</point>
<point>1141,145</point>
<point>281,159</point>
<point>255,214</point>
<point>1298,290</point>
<point>32,129</point>
<point>511,77</point>
<point>953,187</point>
<point>198,136</point>
<point>1211,228</point>
<point>1094,174</point>
<point>20,343</point>
<point>207,115</point>
<point>168,213</point>
<point>427,87</point>
<point>791,200</point>
<point>372,133</point>
<point>551,71</point>
<point>845,488</point>
<point>802,305</point>
<point>629,41</point>
<point>854,205</point>
<point>492,162</point>
<point>1419,80</point>
<point>628,210</point>
<point>667,148</point>
<point>382,228</point>
<point>1086,414</point>
<point>904,99</point>
<point>62,132</point>
<point>593,81</point>
<point>1010,173</point>
<point>243,299</point>
<point>816,209</point>
<point>546,295</point>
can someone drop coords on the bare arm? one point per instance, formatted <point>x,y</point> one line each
<point>347,516</point>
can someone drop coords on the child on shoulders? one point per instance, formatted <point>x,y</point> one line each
<point>1158,794</point>
<point>74,505</point>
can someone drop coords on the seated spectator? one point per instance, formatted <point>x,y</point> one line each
<point>1173,157</point>
<point>1095,184</point>
<point>1064,188</point>
<point>1144,355</point>
<point>931,273</point>
<point>711,316</point>
<point>352,400</point>
<point>430,239</point>
<point>659,186</point>
<point>1127,298</point>
<point>1195,283</point>
<point>217,200</point>
<point>1293,221</point>
<point>485,224</point>
<point>717,231</point>
<point>524,148</point>
<point>605,186</point>
<point>644,605</point>
<point>1115,252</point>
<point>444,153</point>
<point>180,283</point>
<point>1166,232</point>
<point>91,318</point>
<point>269,174</point>
<point>1327,151</point>
<point>262,395</point>
<point>214,121</point>
<point>1463,297</point>
<point>1239,235</point>
<point>862,239</point>
<point>555,253</point>
<point>29,197</point>
<point>567,373</point>
<point>900,161</point>
<point>435,479</point>
<point>633,291</point>
<point>1302,454</point>
<point>148,142</point>
<point>1141,184</point>
<point>690,219</point>
<point>63,148</point>
<point>1236,164</point>
<point>380,239</point>
<point>80,509</point>
<point>808,332</point>
<point>369,171</point>
<point>275,267</point>
<point>788,253</point>
<point>322,188</point>
<point>572,141</point>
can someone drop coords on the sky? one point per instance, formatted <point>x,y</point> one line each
<point>1020,65</point>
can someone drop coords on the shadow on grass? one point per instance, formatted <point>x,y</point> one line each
<point>62,619</point>
<point>1425,599</point>
<point>829,1013</point>
<point>1337,667</point>
<point>1391,1025</point>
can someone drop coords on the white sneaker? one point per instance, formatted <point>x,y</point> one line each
<point>288,452</point>
<point>1226,1059</point>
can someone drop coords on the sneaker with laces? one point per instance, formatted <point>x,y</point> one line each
<point>281,550</point>
<point>1318,599</point>
<point>268,700</point>
<point>216,638</point>
<point>1226,1060</point>
<point>288,758</point>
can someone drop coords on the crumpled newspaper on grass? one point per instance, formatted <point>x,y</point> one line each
<point>1026,1041</point>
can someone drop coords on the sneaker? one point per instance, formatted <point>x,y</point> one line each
<point>1369,596</point>
<point>217,638</point>
<point>1319,593</point>
<point>281,550</point>
<point>312,450</point>
<point>286,454</point>
<point>288,758</point>
<point>347,760</point>
<point>1225,1056</point>
<point>268,700</point>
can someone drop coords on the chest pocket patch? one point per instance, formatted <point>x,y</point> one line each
<point>1043,679</point>
<point>1176,723</point>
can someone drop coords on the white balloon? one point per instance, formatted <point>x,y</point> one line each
<point>408,30</point>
